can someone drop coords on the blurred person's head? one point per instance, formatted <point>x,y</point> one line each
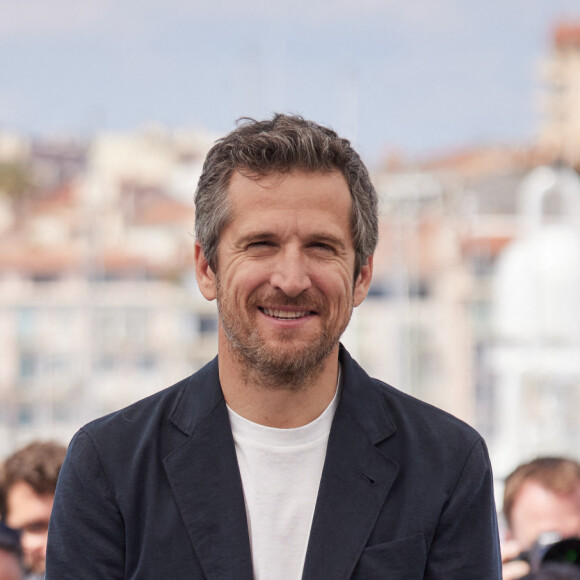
<point>542,496</point>
<point>279,146</point>
<point>10,554</point>
<point>27,486</point>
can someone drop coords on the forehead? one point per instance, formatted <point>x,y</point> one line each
<point>296,190</point>
<point>25,505</point>
<point>537,510</point>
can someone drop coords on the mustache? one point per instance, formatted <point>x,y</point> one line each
<point>275,298</point>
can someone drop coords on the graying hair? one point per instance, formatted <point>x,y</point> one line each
<point>280,145</point>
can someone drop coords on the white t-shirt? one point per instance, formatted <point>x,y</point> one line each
<point>281,470</point>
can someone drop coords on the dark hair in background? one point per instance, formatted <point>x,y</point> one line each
<point>281,145</point>
<point>37,464</point>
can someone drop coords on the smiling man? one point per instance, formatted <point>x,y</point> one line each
<point>281,459</point>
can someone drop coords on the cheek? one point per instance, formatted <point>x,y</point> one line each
<point>241,281</point>
<point>337,288</point>
<point>573,526</point>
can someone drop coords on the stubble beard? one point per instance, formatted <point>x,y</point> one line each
<point>274,366</point>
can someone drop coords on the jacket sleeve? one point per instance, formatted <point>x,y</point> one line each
<point>466,541</point>
<point>86,536</point>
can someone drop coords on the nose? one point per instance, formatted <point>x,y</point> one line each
<point>33,541</point>
<point>290,273</point>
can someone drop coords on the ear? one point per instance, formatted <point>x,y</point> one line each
<point>204,274</point>
<point>363,282</point>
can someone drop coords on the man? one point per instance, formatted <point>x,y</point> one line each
<point>27,485</point>
<point>281,459</point>
<point>540,496</point>
<point>10,557</point>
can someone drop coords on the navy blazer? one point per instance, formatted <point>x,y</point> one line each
<point>154,491</point>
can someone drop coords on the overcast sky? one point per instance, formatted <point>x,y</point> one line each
<point>419,76</point>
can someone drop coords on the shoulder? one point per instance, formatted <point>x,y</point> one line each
<point>436,441</point>
<point>410,425</point>
<point>148,410</point>
<point>154,424</point>
<point>437,455</point>
<point>412,414</point>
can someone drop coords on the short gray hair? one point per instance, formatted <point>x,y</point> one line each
<point>280,145</point>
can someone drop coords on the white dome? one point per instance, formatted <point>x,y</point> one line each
<point>537,287</point>
<point>536,292</point>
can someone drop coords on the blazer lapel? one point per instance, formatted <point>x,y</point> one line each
<point>207,487</point>
<point>355,482</point>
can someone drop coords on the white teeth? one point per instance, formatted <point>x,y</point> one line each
<point>284,314</point>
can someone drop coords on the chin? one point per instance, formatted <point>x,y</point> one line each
<point>36,567</point>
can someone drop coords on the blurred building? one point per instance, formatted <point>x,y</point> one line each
<point>535,358</point>
<point>446,224</point>
<point>412,331</point>
<point>98,304</point>
<point>481,316</point>
<point>560,128</point>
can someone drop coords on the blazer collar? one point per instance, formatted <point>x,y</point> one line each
<point>356,479</point>
<point>359,395</point>
<point>365,400</point>
<point>205,479</point>
<point>200,397</point>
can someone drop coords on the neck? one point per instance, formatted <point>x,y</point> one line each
<point>284,406</point>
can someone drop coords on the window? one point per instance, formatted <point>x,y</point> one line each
<point>27,322</point>
<point>29,365</point>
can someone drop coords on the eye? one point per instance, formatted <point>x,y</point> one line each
<point>260,247</point>
<point>260,244</point>
<point>36,528</point>
<point>323,247</point>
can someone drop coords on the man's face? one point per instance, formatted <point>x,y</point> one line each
<point>537,510</point>
<point>30,513</point>
<point>284,284</point>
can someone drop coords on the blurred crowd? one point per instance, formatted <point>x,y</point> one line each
<point>541,511</point>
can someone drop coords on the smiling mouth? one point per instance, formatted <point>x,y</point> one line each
<point>286,314</point>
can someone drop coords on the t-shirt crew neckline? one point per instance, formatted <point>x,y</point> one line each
<point>273,436</point>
